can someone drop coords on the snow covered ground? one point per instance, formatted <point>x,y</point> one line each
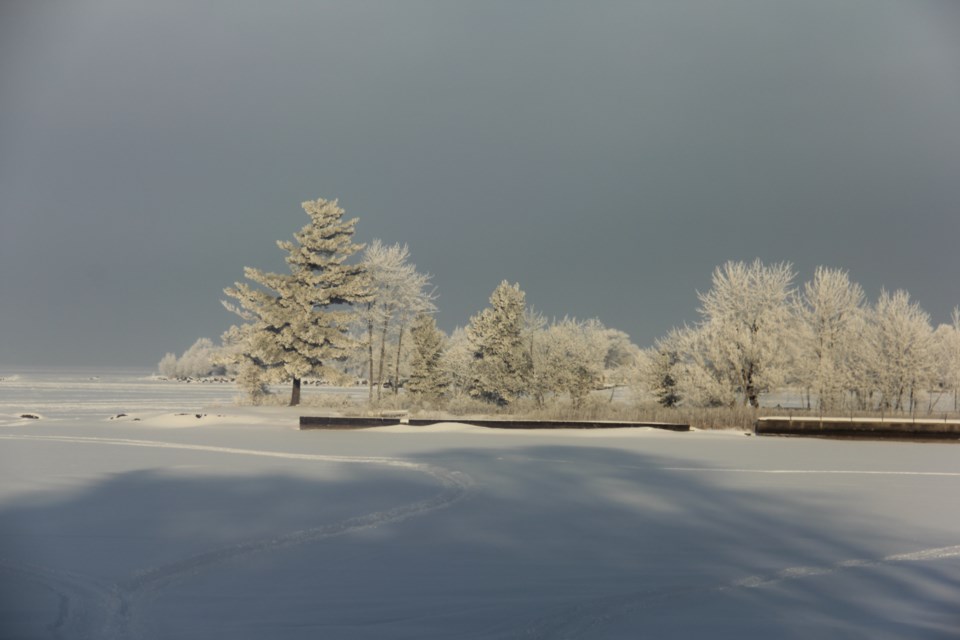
<point>235,524</point>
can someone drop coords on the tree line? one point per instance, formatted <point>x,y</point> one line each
<point>349,313</point>
<point>758,333</point>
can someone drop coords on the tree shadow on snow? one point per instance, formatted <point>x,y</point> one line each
<point>552,542</point>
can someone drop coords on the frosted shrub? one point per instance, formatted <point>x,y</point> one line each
<point>250,380</point>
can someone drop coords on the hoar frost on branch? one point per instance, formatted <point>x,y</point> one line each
<point>298,322</point>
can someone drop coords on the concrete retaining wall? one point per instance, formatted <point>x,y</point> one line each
<point>859,428</point>
<point>325,422</point>
<point>310,422</point>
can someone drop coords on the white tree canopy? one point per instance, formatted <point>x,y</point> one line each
<point>399,293</point>
<point>900,349</point>
<point>748,313</point>
<point>829,311</point>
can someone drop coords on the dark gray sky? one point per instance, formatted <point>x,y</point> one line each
<point>605,155</point>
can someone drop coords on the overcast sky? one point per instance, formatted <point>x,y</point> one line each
<point>605,155</point>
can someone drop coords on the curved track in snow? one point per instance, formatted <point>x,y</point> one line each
<point>90,609</point>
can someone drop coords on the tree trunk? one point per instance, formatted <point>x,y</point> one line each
<point>370,360</point>
<point>396,371</point>
<point>749,390</point>
<point>383,357</point>
<point>295,393</point>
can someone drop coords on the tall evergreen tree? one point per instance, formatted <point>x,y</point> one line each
<point>501,360</point>
<point>427,378</point>
<point>300,321</point>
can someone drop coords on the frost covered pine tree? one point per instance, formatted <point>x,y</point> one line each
<point>427,377</point>
<point>300,321</point>
<point>501,361</point>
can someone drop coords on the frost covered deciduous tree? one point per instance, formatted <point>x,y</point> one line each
<point>501,363</point>
<point>748,314</point>
<point>398,294</point>
<point>829,313</point>
<point>948,352</point>
<point>703,375</point>
<point>901,349</point>
<point>300,321</point>
<point>568,357</point>
<point>200,360</point>
<point>619,351</point>
<point>427,377</point>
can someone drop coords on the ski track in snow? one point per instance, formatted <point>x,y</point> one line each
<point>90,609</point>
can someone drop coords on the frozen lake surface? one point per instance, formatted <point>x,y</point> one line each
<point>235,524</point>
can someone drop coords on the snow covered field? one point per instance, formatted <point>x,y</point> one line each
<point>235,524</point>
